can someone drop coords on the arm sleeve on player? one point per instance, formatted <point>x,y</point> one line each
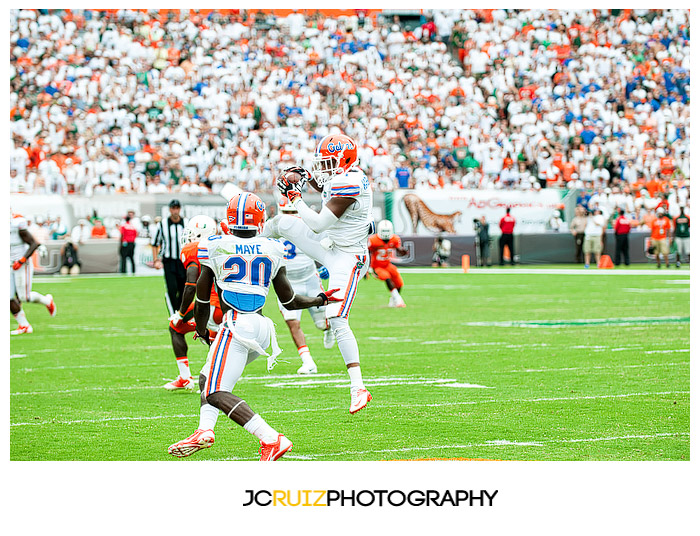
<point>317,221</point>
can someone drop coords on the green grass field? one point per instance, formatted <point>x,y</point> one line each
<point>500,366</point>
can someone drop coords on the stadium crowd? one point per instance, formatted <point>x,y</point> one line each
<point>148,101</point>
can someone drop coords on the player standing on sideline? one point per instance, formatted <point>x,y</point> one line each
<point>243,265</point>
<point>302,274</point>
<point>198,229</point>
<point>660,229</point>
<point>336,237</point>
<point>507,224</point>
<point>681,235</point>
<point>22,247</point>
<point>383,246</point>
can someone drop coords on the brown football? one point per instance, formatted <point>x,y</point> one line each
<point>292,177</point>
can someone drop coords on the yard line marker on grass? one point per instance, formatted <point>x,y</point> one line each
<point>657,290</point>
<point>604,367</point>
<point>544,271</point>
<point>582,322</point>
<point>492,443</point>
<point>334,408</point>
<point>667,351</point>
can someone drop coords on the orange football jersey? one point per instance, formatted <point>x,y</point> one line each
<point>383,252</point>
<point>188,255</point>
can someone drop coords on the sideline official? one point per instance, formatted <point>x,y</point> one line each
<point>507,224</point>
<point>166,254</point>
<point>622,228</point>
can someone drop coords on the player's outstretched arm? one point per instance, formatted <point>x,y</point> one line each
<point>293,301</point>
<point>201,305</point>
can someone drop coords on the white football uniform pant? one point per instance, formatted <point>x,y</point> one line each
<point>345,269</point>
<point>21,281</point>
<point>310,287</point>
<point>238,343</point>
<point>682,247</point>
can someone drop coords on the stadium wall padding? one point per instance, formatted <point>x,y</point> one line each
<point>546,248</point>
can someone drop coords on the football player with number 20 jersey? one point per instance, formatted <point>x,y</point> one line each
<point>336,237</point>
<point>242,265</point>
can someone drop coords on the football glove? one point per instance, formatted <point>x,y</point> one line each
<point>292,190</point>
<point>18,264</point>
<point>327,296</point>
<point>323,272</point>
<point>204,339</point>
<point>175,318</point>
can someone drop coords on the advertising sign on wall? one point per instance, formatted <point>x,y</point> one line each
<point>430,212</point>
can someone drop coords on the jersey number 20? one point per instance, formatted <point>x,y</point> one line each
<point>257,271</point>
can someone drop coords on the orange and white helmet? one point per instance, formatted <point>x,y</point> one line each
<point>245,212</point>
<point>336,153</point>
<point>198,228</point>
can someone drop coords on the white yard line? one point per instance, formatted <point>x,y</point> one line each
<point>544,271</point>
<point>467,446</point>
<point>602,367</point>
<point>657,290</point>
<point>309,410</point>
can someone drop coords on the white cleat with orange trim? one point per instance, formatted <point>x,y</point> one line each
<point>269,452</point>
<point>22,329</point>
<point>51,306</point>
<point>201,439</point>
<point>180,383</point>
<point>359,398</point>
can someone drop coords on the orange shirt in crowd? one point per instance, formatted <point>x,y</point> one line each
<point>99,231</point>
<point>660,228</point>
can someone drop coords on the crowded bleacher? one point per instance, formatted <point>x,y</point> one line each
<point>152,101</point>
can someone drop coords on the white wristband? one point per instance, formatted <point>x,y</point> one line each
<point>290,300</point>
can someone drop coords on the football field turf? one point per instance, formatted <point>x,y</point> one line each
<point>496,365</point>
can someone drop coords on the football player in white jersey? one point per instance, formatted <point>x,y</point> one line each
<point>304,277</point>
<point>22,247</point>
<point>336,237</point>
<point>242,264</point>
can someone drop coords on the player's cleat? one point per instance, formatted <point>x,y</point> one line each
<point>180,383</point>
<point>328,339</point>
<point>269,452</point>
<point>392,301</point>
<point>359,398</point>
<point>22,329</point>
<point>51,306</point>
<point>201,439</point>
<point>308,368</point>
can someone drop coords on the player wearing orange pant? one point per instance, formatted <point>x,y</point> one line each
<point>182,322</point>
<point>383,247</point>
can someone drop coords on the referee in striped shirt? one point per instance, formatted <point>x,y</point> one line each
<point>166,246</point>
